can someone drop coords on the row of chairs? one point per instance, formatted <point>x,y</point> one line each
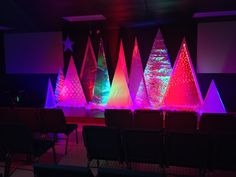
<point>189,149</point>
<point>45,170</point>
<point>170,120</point>
<point>16,138</point>
<point>40,120</point>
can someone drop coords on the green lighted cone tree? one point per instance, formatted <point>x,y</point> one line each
<point>102,83</point>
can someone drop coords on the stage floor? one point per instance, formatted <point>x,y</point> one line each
<point>83,115</point>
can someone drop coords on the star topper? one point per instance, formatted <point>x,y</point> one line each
<point>68,44</point>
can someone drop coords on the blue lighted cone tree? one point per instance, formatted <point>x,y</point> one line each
<point>88,71</point>
<point>157,71</point>
<point>183,91</point>
<point>72,92</point>
<point>102,82</point>
<point>137,84</point>
<point>119,96</point>
<point>50,98</point>
<point>213,102</point>
<point>59,85</point>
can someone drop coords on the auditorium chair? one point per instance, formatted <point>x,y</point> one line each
<point>29,117</point>
<point>148,119</point>
<point>143,146</point>
<point>107,172</point>
<point>118,118</point>
<point>18,139</point>
<point>221,132</point>
<point>186,150</point>
<point>53,121</point>
<point>8,115</point>
<point>180,121</point>
<point>48,170</point>
<point>102,143</point>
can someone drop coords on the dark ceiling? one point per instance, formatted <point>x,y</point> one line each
<point>46,15</point>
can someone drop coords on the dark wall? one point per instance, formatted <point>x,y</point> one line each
<point>2,62</point>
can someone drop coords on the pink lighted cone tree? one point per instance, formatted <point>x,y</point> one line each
<point>183,91</point>
<point>119,96</point>
<point>157,71</point>
<point>59,85</point>
<point>50,98</point>
<point>213,102</point>
<point>88,71</point>
<point>137,85</point>
<point>72,92</point>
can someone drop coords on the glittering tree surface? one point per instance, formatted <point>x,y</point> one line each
<point>59,85</point>
<point>102,83</point>
<point>88,71</point>
<point>50,98</point>
<point>157,71</point>
<point>213,102</point>
<point>183,92</point>
<point>119,96</point>
<point>137,85</point>
<point>122,61</point>
<point>72,92</point>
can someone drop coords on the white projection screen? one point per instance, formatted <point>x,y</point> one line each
<point>37,53</point>
<point>216,47</point>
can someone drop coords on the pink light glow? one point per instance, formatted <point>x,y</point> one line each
<point>72,92</point>
<point>183,92</point>
<point>119,96</point>
<point>137,84</point>
<point>213,102</point>
<point>50,99</point>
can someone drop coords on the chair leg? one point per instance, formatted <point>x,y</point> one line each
<point>54,154</point>
<point>7,166</point>
<point>76,136</point>
<point>67,138</point>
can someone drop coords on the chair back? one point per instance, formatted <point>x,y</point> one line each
<point>148,119</point>
<point>118,118</point>
<point>8,115</point>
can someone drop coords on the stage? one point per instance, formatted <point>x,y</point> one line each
<point>83,115</point>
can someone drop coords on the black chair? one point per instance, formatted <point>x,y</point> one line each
<point>8,115</point>
<point>102,143</point>
<point>18,139</point>
<point>148,119</point>
<point>53,121</point>
<point>106,172</point>
<point>217,123</point>
<point>47,170</point>
<point>29,117</point>
<point>118,118</point>
<point>186,150</point>
<point>181,121</point>
<point>143,146</point>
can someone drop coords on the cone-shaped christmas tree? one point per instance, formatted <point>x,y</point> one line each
<point>88,71</point>
<point>102,82</point>
<point>119,96</point>
<point>50,99</point>
<point>72,92</point>
<point>121,59</point>
<point>136,80</point>
<point>183,91</point>
<point>157,71</point>
<point>213,102</point>
<point>59,85</point>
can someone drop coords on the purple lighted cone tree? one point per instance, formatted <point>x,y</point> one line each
<point>213,102</point>
<point>119,96</point>
<point>102,82</point>
<point>88,71</point>
<point>59,85</point>
<point>157,71</point>
<point>137,85</point>
<point>183,91</point>
<point>50,98</point>
<point>72,92</point>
